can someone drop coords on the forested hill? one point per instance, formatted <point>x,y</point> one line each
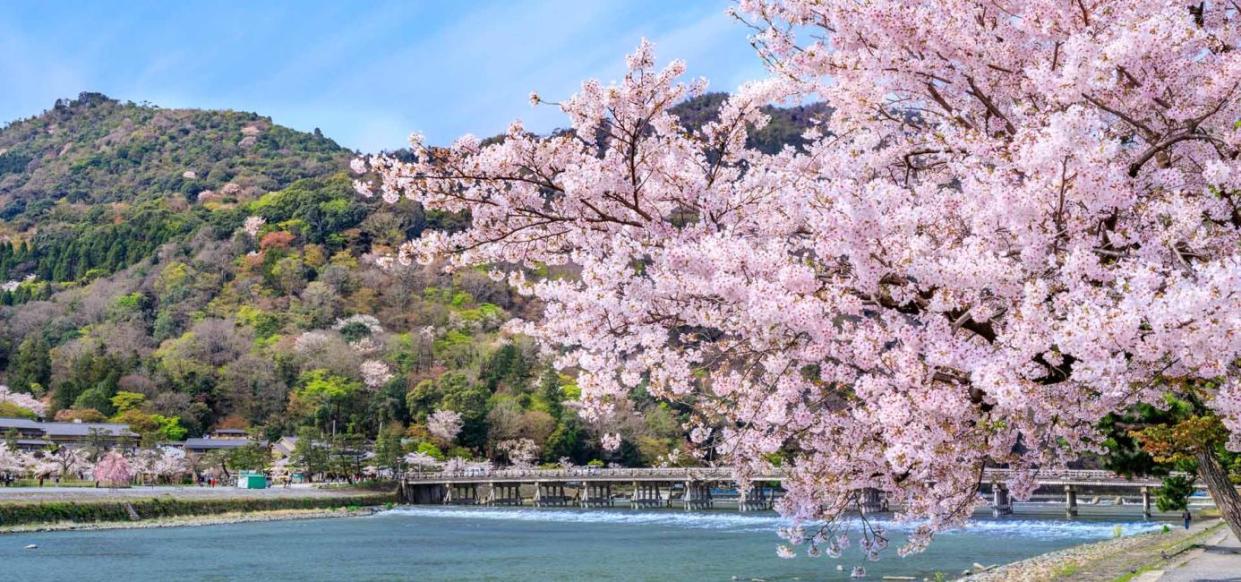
<point>187,269</point>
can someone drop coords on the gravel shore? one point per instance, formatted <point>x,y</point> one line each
<point>1100,561</point>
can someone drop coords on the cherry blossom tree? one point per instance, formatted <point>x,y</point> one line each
<point>445,424</point>
<point>113,470</point>
<point>522,453</point>
<point>459,465</point>
<point>375,373</point>
<point>1019,217</point>
<point>68,460</point>
<point>421,461</point>
<point>10,461</point>
<point>252,225</point>
<point>167,464</point>
<point>23,400</point>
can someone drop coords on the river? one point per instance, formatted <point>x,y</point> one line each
<point>433,543</point>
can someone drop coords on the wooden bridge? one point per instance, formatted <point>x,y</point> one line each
<point>697,488</point>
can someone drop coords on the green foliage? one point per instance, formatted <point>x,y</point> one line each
<point>507,366</point>
<point>1174,494</point>
<point>124,401</point>
<point>129,220</point>
<point>321,386</point>
<point>310,453</point>
<point>265,324</point>
<point>251,457</point>
<point>1125,454</point>
<point>388,453</point>
<point>320,208</point>
<point>10,410</point>
<point>169,428</point>
<point>31,370</point>
<point>568,440</point>
<point>428,448</point>
<point>97,398</point>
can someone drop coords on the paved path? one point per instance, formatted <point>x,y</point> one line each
<point>1218,560</point>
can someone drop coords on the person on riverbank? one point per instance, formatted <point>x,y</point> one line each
<point>1188,517</point>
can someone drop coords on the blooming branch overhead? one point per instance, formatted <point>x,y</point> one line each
<point>1018,219</point>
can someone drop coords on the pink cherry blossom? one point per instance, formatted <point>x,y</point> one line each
<point>23,400</point>
<point>610,441</point>
<point>113,469</point>
<point>445,424</point>
<point>1016,220</point>
<point>375,373</point>
<point>252,225</point>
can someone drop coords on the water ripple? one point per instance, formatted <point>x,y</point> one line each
<point>1048,529</point>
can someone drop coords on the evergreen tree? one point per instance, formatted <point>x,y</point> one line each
<point>32,368</point>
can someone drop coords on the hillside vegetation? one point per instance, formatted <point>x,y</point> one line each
<point>181,270</point>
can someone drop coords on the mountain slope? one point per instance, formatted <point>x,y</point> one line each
<point>187,269</point>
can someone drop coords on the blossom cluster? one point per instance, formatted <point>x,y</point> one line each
<point>1015,221</point>
<point>22,400</point>
<point>445,424</point>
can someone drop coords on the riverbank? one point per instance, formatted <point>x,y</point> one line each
<point>1116,560</point>
<point>176,506</point>
<point>194,520</point>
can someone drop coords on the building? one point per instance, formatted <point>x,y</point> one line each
<point>207,444</point>
<point>283,448</point>
<point>33,434</point>
<point>230,433</point>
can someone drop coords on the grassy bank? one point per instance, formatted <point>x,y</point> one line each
<point>38,512</point>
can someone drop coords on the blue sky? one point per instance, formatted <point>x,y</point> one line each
<point>367,74</point>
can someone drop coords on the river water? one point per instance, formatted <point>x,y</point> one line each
<point>432,543</point>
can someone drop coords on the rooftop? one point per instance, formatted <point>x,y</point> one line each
<point>207,444</point>
<point>66,429</point>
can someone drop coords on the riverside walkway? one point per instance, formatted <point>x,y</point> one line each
<point>699,487</point>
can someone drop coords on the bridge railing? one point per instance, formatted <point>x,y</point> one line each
<point>619,474</point>
<point>721,474</point>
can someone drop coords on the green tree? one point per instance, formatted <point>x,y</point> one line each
<point>326,394</point>
<point>568,440</point>
<point>1182,435</point>
<point>551,393</point>
<point>472,401</point>
<point>1174,494</point>
<point>388,453</point>
<point>124,401</point>
<point>310,453</point>
<point>32,368</point>
<point>251,457</point>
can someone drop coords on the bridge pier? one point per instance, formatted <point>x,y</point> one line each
<point>424,493</point>
<point>461,494</point>
<point>1001,503</point>
<point>504,494</point>
<point>550,495</point>
<point>647,495</point>
<point>753,499</point>
<point>595,495</point>
<point>1146,503</point>
<point>1070,501</point>
<point>697,496</point>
